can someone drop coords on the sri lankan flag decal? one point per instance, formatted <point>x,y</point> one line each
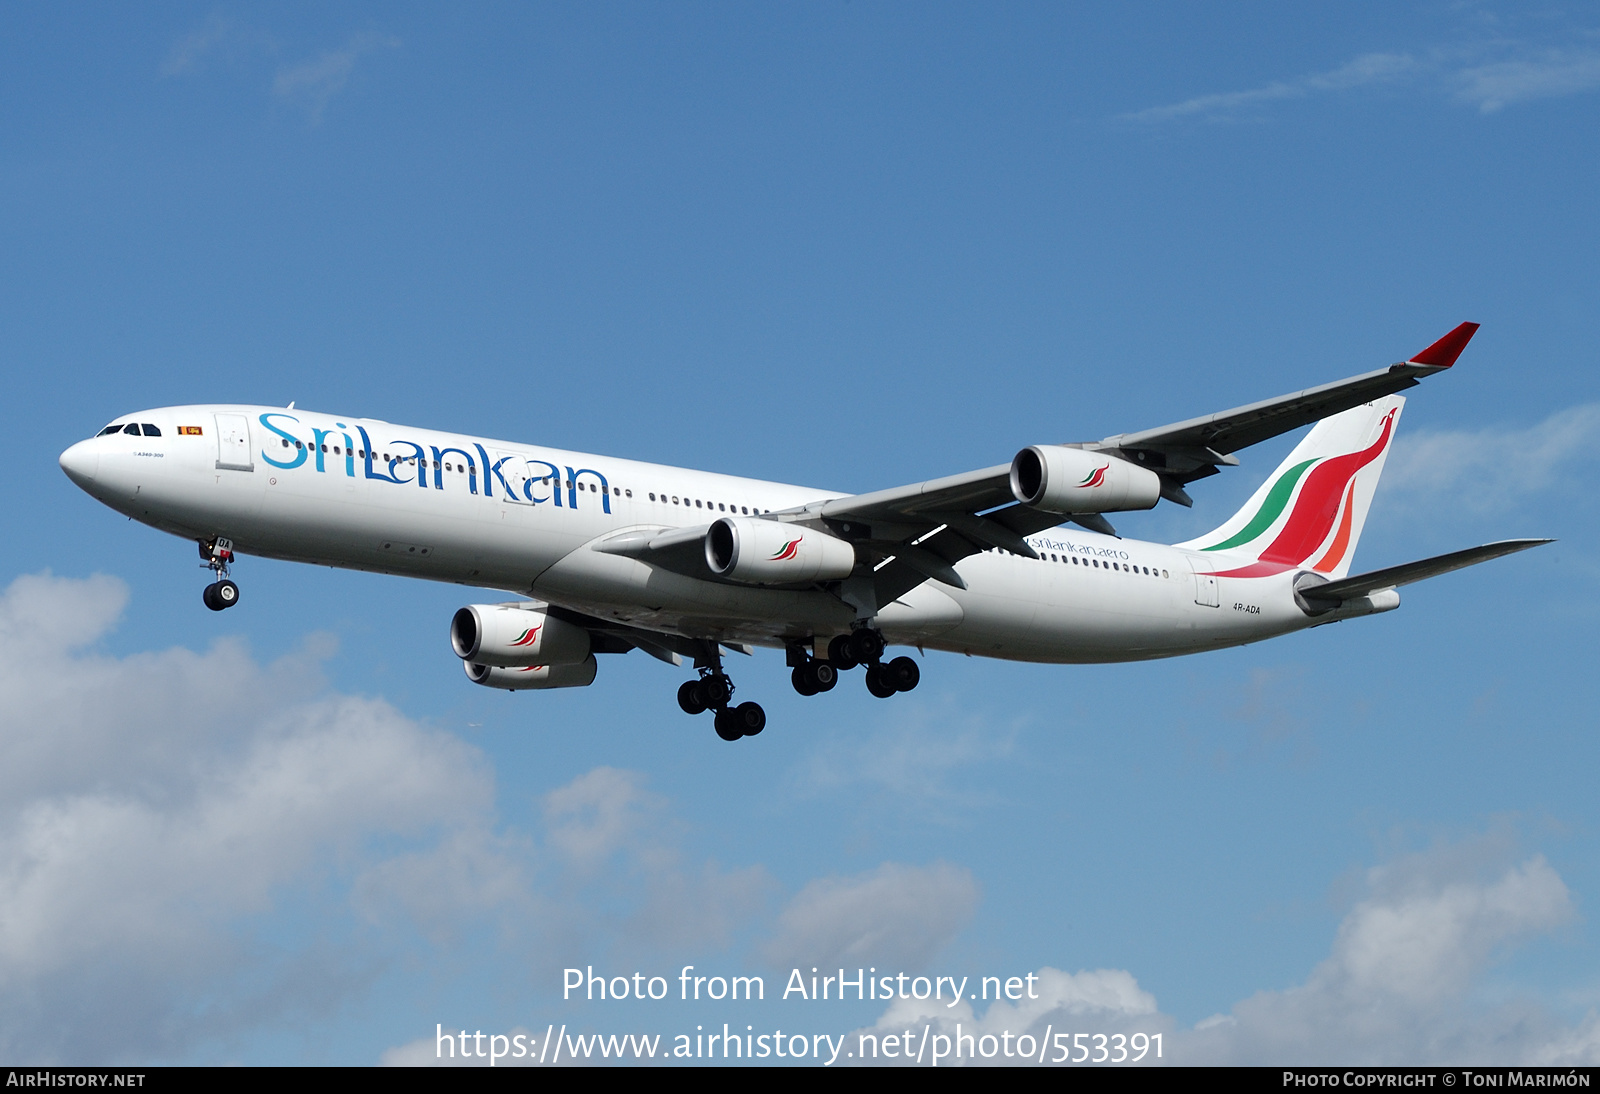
<point>787,551</point>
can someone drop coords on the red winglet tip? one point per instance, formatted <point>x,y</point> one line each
<point>1443,353</point>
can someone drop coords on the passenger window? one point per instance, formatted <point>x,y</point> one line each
<point>150,430</point>
<point>131,428</point>
<point>630,493</point>
<point>697,503</point>
<point>721,507</point>
<point>745,510</point>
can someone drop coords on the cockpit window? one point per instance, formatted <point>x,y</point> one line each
<point>132,428</point>
<point>114,427</point>
<point>150,430</point>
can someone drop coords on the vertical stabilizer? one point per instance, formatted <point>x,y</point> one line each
<point>1309,513</point>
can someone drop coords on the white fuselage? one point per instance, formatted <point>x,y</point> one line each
<point>367,495</point>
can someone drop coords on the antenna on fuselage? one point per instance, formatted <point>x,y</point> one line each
<point>290,406</point>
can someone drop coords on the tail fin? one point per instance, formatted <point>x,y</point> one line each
<point>1309,513</point>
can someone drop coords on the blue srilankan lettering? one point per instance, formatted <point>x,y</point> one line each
<point>366,442</point>
<point>378,469</point>
<point>419,460</point>
<point>536,480</point>
<point>299,453</point>
<point>438,467</point>
<point>572,487</point>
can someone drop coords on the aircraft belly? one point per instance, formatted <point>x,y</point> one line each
<point>920,616</point>
<point>1021,609</point>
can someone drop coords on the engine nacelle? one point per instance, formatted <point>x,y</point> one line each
<point>1058,479</point>
<point>533,677</point>
<point>504,636</point>
<point>766,552</point>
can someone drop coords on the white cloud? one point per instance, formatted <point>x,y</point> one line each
<point>911,754</point>
<point>1365,70</point>
<point>1489,75</point>
<point>312,84</point>
<point>159,812</point>
<point>1398,986</point>
<point>1489,470</point>
<point>1402,984</point>
<point>155,805</point>
<point>216,36</point>
<point>1547,75</point>
<point>896,916</point>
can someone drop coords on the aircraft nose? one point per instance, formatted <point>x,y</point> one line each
<point>81,462</point>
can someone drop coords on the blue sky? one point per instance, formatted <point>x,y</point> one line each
<point>851,245</point>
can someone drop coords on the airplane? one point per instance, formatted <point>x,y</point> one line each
<point>1016,561</point>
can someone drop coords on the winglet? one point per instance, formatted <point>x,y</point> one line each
<point>1443,353</point>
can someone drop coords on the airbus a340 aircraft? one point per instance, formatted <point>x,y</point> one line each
<point>618,555</point>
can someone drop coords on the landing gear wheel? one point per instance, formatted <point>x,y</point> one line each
<point>878,682</point>
<point>804,679</point>
<point>824,674</point>
<point>728,724</point>
<point>716,690</point>
<point>903,673</point>
<point>866,646</point>
<point>750,718</point>
<point>220,594</point>
<point>839,652</point>
<point>689,697</point>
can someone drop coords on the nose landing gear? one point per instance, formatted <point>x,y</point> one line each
<point>218,555</point>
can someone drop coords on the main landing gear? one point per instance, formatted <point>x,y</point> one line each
<point>846,651</point>
<point>218,555</point>
<point>714,691</point>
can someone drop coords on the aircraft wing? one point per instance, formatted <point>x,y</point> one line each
<point>916,532</point>
<point>1193,449</point>
<point>1332,593</point>
<point>919,531</point>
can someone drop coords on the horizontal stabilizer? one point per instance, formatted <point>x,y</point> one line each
<point>1332,593</point>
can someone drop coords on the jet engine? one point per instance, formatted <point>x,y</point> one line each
<point>1059,479</point>
<point>533,677</point>
<point>510,636</point>
<point>767,552</point>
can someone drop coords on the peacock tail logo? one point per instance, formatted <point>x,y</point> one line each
<point>527,637</point>
<point>1097,477</point>
<point>1328,497</point>
<point>787,551</point>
